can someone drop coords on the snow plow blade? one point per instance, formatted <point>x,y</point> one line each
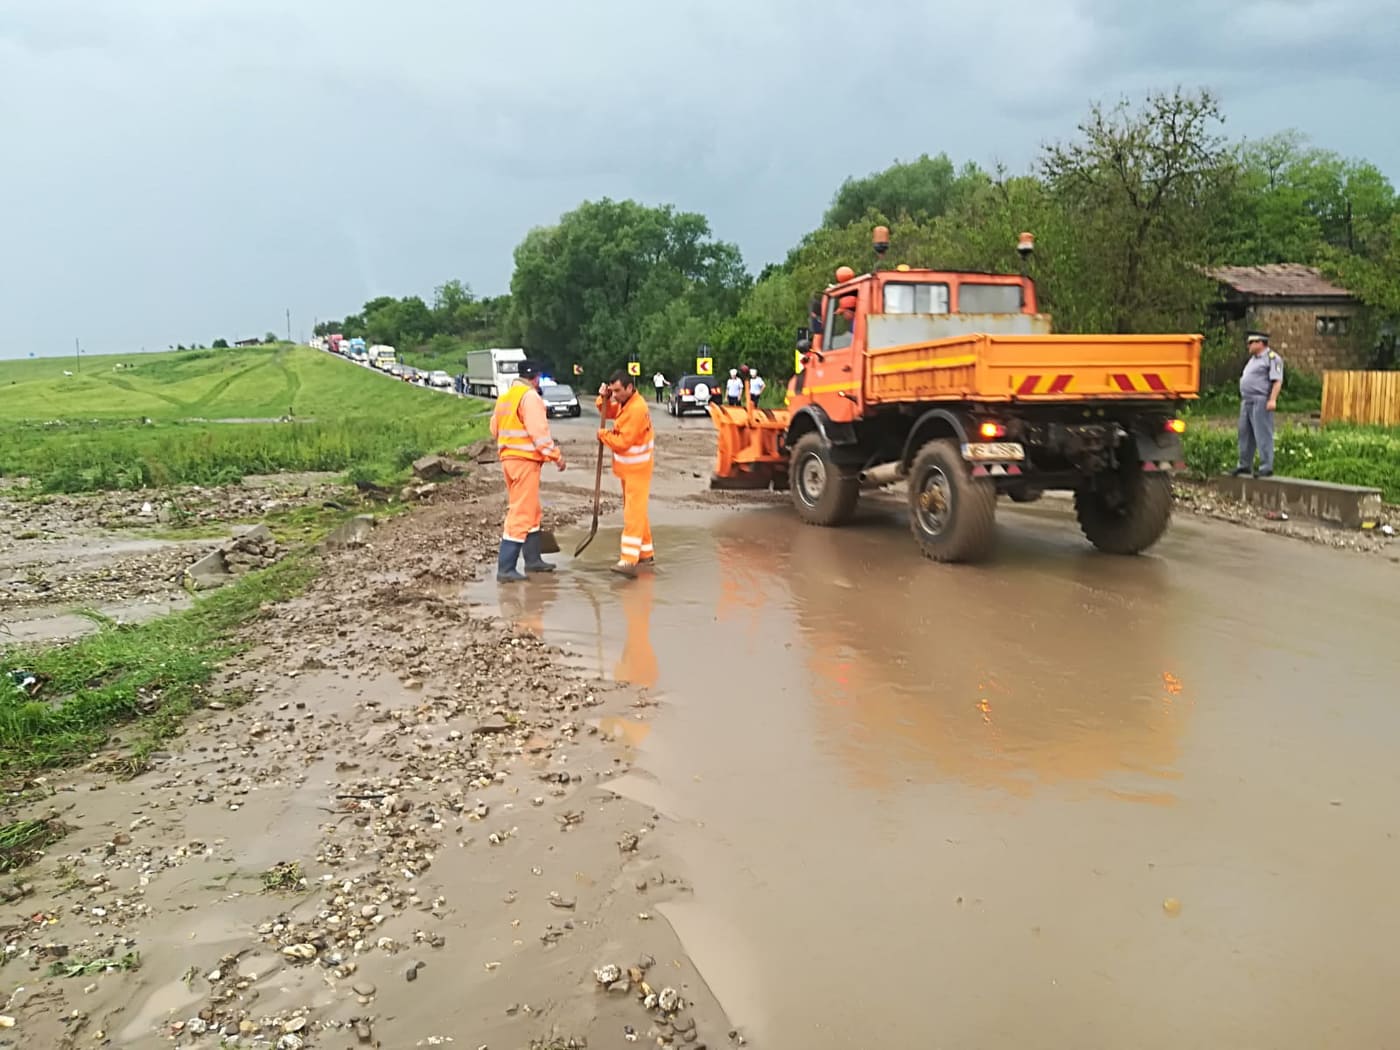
<point>749,453</point>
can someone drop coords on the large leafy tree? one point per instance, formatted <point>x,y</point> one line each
<point>1146,190</point>
<point>916,190</point>
<point>617,278</point>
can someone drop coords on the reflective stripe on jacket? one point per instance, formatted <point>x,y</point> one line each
<point>630,439</point>
<point>520,425</point>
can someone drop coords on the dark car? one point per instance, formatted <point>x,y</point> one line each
<point>683,397</point>
<point>560,400</point>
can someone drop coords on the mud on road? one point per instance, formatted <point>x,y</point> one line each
<point>395,829</point>
<point>1042,802</point>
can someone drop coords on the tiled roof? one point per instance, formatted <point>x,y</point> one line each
<point>1279,279</point>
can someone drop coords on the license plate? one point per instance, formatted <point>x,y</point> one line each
<point>996,450</point>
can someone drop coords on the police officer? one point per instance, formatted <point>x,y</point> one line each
<point>1260,383</point>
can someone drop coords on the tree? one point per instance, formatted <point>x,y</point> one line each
<point>270,337</point>
<point>220,344</point>
<point>615,278</point>
<point>1146,190</point>
<point>916,190</point>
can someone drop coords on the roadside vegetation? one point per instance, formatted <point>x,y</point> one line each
<point>145,424</point>
<point>1342,454</point>
<point>148,676</point>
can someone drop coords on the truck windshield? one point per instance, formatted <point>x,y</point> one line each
<point>508,368</point>
<point>916,298</point>
<point>989,298</point>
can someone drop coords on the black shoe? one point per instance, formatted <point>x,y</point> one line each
<point>1264,474</point>
<point>1240,472</point>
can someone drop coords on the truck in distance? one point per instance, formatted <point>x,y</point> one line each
<point>491,371</point>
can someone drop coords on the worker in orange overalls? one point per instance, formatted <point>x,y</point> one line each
<point>520,425</point>
<point>632,444</point>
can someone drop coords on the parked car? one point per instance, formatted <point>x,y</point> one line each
<point>560,400</point>
<point>683,395</point>
<point>439,378</point>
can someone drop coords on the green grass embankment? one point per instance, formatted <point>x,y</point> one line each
<point>88,432</point>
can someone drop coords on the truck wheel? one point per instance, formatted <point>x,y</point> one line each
<point>822,492</point>
<point>1127,514</point>
<point>952,514</point>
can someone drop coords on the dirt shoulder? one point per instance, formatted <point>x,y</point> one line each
<point>404,837</point>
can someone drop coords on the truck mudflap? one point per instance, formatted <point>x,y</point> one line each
<point>1160,453</point>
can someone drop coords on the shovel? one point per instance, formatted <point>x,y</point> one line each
<point>597,496</point>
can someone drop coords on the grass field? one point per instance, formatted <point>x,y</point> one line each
<point>85,432</point>
<point>253,383</point>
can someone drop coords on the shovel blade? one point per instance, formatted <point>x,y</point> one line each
<point>586,541</point>
<point>548,544</point>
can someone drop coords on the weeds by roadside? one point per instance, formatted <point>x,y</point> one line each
<point>286,877</point>
<point>20,840</point>
<point>1345,455</point>
<point>151,674</point>
<point>107,964</point>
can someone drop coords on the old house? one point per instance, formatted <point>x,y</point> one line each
<point>1315,324</point>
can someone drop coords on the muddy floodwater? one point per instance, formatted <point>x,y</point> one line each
<point>1058,800</point>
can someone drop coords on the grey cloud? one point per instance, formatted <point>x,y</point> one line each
<point>189,170</point>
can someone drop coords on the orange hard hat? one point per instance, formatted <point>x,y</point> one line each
<point>848,302</point>
<point>844,274</point>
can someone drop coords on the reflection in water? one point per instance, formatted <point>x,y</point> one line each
<point>524,604</point>
<point>1032,671</point>
<point>637,665</point>
<point>1000,676</point>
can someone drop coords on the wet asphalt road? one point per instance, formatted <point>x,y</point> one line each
<point>1060,799</point>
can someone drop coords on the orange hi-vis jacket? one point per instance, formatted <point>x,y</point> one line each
<point>520,425</point>
<point>630,438</point>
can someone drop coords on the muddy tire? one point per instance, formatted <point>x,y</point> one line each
<point>822,492</point>
<point>1129,515</point>
<point>951,513</point>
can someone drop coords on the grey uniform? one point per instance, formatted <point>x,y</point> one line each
<point>1260,373</point>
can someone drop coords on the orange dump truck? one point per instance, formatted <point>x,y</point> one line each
<point>955,384</point>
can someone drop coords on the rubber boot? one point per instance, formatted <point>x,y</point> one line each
<point>627,569</point>
<point>533,561</point>
<point>506,572</point>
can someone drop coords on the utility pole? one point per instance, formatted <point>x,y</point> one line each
<point>289,324</point>
<point>78,353</point>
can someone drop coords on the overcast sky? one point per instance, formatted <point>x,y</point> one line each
<point>179,170</point>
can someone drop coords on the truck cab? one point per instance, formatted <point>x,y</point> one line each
<point>896,308</point>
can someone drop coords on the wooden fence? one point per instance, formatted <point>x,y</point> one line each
<point>1370,398</point>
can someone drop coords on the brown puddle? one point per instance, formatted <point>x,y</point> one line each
<point>1060,799</point>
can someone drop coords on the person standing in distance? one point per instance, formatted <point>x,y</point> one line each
<point>734,388</point>
<point>658,381</point>
<point>520,425</point>
<point>756,385</point>
<point>632,443</point>
<point>1260,383</point>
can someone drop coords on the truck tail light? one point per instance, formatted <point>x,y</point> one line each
<point>991,431</point>
<point>1176,426</point>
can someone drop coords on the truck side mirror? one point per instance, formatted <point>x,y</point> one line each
<point>804,339</point>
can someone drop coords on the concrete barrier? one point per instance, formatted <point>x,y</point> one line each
<point>1350,506</point>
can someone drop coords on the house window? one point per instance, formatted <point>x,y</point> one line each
<point>1332,325</point>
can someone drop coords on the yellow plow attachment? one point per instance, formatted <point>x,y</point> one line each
<point>750,453</point>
